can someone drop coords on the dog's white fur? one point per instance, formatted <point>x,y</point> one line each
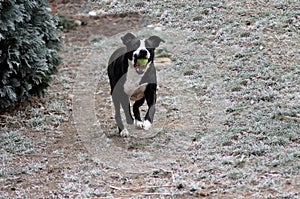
<point>138,124</point>
<point>132,79</point>
<point>124,133</point>
<point>142,47</point>
<point>146,125</point>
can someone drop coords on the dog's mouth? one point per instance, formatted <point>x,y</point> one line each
<point>140,65</point>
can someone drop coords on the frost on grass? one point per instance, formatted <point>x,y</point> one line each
<point>15,142</point>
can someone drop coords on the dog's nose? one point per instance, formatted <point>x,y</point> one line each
<point>143,53</point>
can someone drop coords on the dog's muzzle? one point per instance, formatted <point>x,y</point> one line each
<point>139,66</point>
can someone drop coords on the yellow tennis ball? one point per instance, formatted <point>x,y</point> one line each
<point>142,61</point>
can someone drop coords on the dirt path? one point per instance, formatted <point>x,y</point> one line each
<point>170,135</point>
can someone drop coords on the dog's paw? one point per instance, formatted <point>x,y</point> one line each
<point>138,124</point>
<point>124,133</point>
<point>147,125</point>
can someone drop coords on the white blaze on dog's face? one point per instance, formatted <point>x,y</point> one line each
<point>140,59</point>
<point>142,51</point>
<point>138,53</point>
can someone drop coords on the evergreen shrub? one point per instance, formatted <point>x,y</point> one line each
<point>28,50</point>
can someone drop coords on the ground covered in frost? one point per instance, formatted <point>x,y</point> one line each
<point>227,121</point>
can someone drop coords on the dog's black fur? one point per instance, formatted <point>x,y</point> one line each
<point>122,66</point>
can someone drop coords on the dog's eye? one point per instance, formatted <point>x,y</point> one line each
<point>133,47</point>
<point>136,45</point>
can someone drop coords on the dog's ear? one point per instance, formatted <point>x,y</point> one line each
<point>127,38</point>
<point>154,41</point>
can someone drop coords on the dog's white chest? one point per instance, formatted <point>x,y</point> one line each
<point>132,85</point>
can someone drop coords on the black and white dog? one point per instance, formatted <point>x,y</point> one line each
<point>134,80</point>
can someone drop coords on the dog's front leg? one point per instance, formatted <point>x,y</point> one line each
<point>126,107</point>
<point>123,131</point>
<point>150,96</point>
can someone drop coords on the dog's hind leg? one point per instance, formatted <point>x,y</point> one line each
<point>149,116</point>
<point>136,112</point>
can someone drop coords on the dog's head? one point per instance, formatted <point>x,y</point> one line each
<point>140,52</point>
